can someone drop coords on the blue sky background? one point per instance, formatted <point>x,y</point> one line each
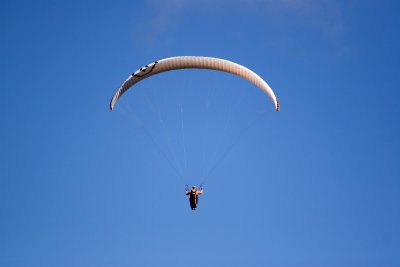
<point>316,184</point>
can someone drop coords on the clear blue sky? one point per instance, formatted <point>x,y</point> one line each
<point>317,184</point>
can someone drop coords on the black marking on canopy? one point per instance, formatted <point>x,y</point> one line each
<point>144,70</point>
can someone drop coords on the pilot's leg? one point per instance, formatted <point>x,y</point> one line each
<point>193,204</point>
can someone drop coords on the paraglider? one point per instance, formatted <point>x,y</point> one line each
<point>194,196</point>
<point>194,62</point>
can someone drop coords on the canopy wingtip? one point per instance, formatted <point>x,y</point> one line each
<point>278,106</point>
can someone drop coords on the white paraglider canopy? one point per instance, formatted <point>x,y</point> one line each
<point>194,62</point>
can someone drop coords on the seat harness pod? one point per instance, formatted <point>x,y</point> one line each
<point>194,197</point>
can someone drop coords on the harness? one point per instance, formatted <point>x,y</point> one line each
<point>193,195</point>
<point>194,198</point>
